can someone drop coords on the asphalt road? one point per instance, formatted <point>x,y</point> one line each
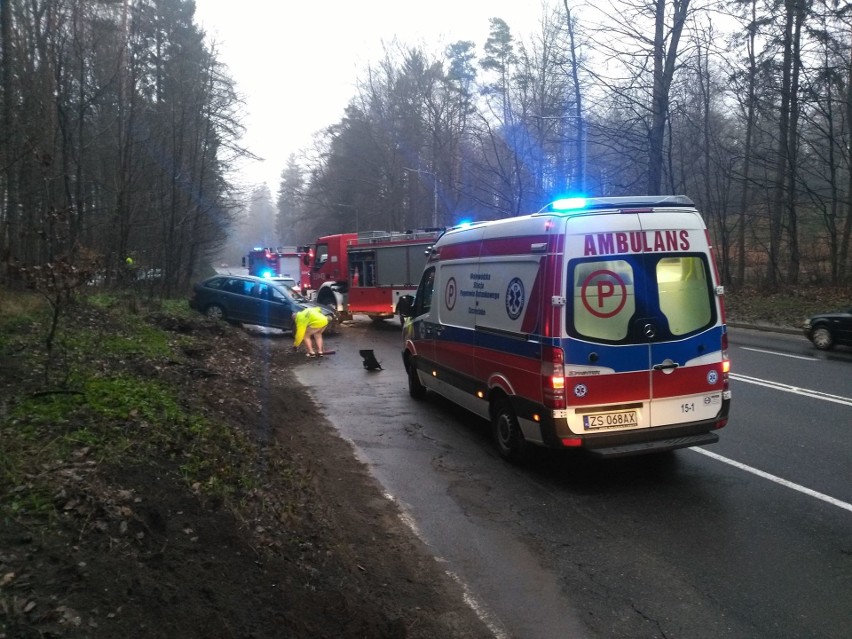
<point>748,538</point>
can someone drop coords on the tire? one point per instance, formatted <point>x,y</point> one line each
<point>215,312</point>
<point>326,298</point>
<point>508,437</point>
<point>822,338</point>
<point>415,387</point>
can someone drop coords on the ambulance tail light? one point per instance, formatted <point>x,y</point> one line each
<point>726,370</point>
<point>553,377</point>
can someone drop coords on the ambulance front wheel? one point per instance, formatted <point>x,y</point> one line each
<point>415,387</point>
<point>507,433</point>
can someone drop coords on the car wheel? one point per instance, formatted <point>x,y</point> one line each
<point>822,338</point>
<point>215,312</point>
<point>415,387</point>
<point>507,433</point>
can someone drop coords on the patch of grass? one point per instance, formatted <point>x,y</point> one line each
<point>109,409</point>
<point>32,502</point>
<point>178,308</point>
<point>20,313</point>
<point>125,397</point>
<point>217,460</point>
<point>18,304</point>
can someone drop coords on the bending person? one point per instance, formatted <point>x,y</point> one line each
<point>310,324</point>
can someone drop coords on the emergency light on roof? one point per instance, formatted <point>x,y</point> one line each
<point>266,274</point>
<point>623,203</point>
<point>568,204</point>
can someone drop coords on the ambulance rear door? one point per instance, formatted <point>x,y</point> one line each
<point>643,329</point>
<point>683,324</point>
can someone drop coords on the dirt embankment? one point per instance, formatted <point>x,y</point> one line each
<point>302,545</point>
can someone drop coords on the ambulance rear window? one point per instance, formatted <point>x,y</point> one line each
<point>682,287</point>
<point>603,299</point>
<point>614,299</point>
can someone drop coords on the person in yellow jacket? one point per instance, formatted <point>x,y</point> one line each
<point>310,323</point>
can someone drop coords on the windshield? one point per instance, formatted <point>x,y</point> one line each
<point>280,293</point>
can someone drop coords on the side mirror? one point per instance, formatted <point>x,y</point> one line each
<point>405,306</point>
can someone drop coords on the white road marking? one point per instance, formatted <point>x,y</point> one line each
<point>761,350</point>
<point>805,392</point>
<point>778,480</point>
<point>469,598</point>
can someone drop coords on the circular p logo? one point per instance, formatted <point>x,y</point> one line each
<point>603,293</point>
<point>450,294</point>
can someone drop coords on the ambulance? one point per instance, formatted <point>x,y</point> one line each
<point>594,324</point>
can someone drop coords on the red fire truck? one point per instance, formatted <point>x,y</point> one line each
<point>281,262</point>
<point>367,272</point>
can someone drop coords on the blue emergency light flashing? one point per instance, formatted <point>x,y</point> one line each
<point>463,224</point>
<point>267,273</point>
<point>568,204</point>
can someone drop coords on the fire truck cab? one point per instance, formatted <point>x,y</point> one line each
<point>368,272</point>
<point>281,262</point>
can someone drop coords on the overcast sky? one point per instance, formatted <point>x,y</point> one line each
<point>296,62</point>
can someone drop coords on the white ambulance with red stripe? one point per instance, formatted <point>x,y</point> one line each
<point>595,324</point>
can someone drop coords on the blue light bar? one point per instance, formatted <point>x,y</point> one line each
<point>568,204</point>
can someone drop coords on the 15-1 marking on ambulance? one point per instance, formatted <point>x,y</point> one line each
<point>603,293</point>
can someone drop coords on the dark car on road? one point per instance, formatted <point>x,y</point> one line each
<point>244,299</point>
<point>827,329</point>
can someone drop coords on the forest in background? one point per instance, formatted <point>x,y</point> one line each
<point>121,128</point>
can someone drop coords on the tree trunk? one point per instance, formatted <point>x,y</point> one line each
<point>664,68</point>
<point>745,199</point>
<point>582,133</point>
<point>779,198</point>
<point>793,265</point>
<point>847,225</point>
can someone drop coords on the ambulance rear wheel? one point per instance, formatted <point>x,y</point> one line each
<point>415,387</point>
<point>507,433</point>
